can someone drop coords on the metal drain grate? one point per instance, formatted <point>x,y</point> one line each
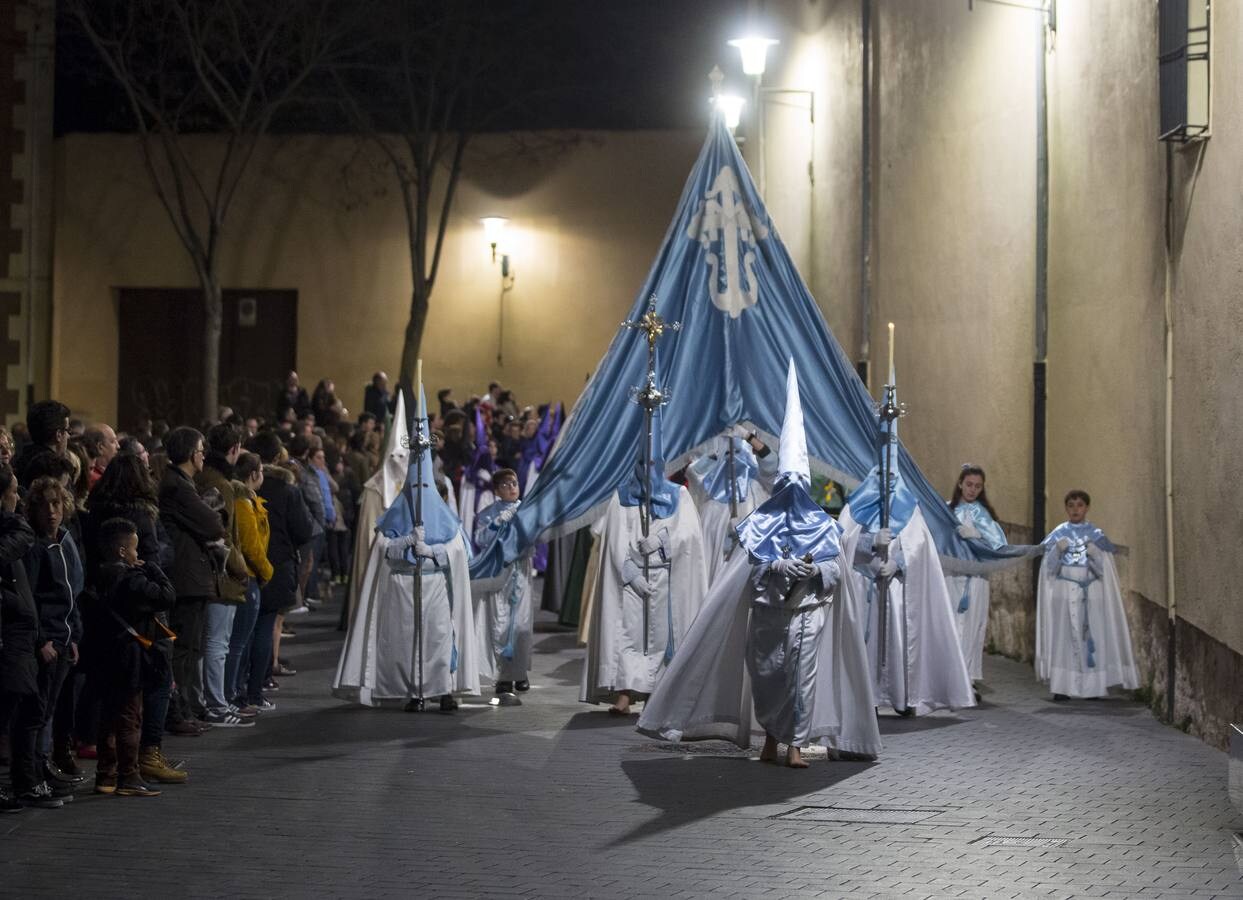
<point>999,840</point>
<point>881,815</point>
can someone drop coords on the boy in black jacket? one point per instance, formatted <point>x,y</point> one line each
<point>131,593</point>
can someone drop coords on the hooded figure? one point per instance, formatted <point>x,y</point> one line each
<point>662,574</point>
<point>378,494</point>
<point>778,646</point>
<point>380,661</point>
<point>711,487</point>
<point>923,666</point>
<point>476,493</point>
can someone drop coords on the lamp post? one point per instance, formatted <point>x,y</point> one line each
<point>754,52</point>
<point>493,229</point>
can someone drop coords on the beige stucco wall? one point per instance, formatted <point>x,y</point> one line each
<point>585,225</point>
<point>1208,354</point>
<point>1106,277</point>
<point>954,214</point>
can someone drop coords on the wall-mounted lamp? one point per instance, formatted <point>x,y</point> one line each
<point>753,51</point>
<point>493,228</point>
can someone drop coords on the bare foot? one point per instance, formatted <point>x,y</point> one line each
<point>769,753</point>
<point>794,758</point>
<point>621,707</point>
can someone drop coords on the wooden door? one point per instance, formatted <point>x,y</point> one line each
<point>161,352</point>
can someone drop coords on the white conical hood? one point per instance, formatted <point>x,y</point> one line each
<point>792,457</point>
<point>395,458</point>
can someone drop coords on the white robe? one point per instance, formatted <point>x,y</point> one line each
<point>720,540</point>
<point>973,621</point>
<point>707,693</point>
<point>370,509</point>
<point>378,664</point>
<point>505,618</point>
<point>924,668</point>
<point>1061,651</point>
<point>615,658</point>
<point>467,504</point>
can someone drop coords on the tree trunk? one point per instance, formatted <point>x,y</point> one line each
<point>414,340</point>
<point>213,328</point>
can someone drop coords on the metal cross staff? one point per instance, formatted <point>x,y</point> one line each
<point>651,398</point>
<point>889,411</point>
<point>420,443</point>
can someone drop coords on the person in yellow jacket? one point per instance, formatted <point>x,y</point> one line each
<point>250,519</point>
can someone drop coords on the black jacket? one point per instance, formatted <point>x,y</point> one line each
<point>27,455</point>
<point>134,596</point>
<point>290,521</point>
<point>143,517</point>
<point>191,525</point>
<point>19,618</point>
<point>55,570</point>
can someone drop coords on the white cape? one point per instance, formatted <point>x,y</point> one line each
<point>370,509</point>
<point>706,694</point>
<point>1059,648</point>
<point>720,542</point>
<point>615,657</point>
<point>470,498</point>
<point>921,618</point>
<point>377,664</point>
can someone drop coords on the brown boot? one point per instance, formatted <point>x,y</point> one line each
<point>62,755</point>
<point>154,767</point>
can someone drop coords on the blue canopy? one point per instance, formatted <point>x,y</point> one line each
<point>724,273</point>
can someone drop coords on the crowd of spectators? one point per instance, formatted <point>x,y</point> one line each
<point>146,577</point>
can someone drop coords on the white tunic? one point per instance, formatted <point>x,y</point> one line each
<point>1075,605</point>
<point>378,662</point>
<point>616,658</point>
<point>924,668</point>
<point>709,694</point>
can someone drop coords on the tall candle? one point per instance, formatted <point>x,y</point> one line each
<point>891,350</point>
<point>418,378</point>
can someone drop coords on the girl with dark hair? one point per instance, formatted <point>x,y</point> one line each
<point>969,593</point>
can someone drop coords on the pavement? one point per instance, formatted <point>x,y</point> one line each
<point>1019,797</point>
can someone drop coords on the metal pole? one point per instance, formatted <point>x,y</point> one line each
<point>865,214</point>
<point>645,512</point>
<point>733,491</point>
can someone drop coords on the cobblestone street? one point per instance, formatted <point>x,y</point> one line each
<point>1019,798</point>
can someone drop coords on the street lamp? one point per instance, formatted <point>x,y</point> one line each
<point>493,227</point>
<point>730,106</point>
<point>753,50</point>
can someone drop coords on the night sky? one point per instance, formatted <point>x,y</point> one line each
<point>615,65</point>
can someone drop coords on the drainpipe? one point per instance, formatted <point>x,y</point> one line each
<point>1039,368</point>
<point>1171,648</point>
<point>865,207</point>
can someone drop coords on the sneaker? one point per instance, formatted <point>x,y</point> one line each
<point>40,796</point>
<point>9,803</point>
<point>105,784</point>
<point>522,686</point>
<point>271,685</point>
<point>244,712</point>
<point>504,687</point>
<point>229,720</point>
<point>283,670</point>
<point>135,788</point>
<point>288,634</point>
<point>62,792</point>
<point>312,603</point>
<point>265,705</point>
<point>298,611</point>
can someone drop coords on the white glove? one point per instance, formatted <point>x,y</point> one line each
<point>1062,544</point>
<point>967,531</point>
<point>648,545</point>
<point>883,538</point>
<point>888,568</point>
<point>642,587</point>
<point>507,515</point>
<point>1093,550</point>
<point>793,569</point>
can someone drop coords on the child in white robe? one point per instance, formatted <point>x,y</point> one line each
<point>506,599</point>
<point>969,593</point>
<point>1083,643</point>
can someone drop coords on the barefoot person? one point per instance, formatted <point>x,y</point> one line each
<point>778,646</point>
<point>1083,644</point>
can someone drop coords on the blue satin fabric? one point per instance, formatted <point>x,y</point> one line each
<point>713,471</point>
<point>665,493</point>
<point>485,533</point>
<point>975,514</point>
<point>719,370</point>
<point>789,524</point>
<point>439,523</point>
<point>1079,537</point>
<point>865,503</point>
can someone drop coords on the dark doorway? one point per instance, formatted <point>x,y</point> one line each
<point>161,352</point>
